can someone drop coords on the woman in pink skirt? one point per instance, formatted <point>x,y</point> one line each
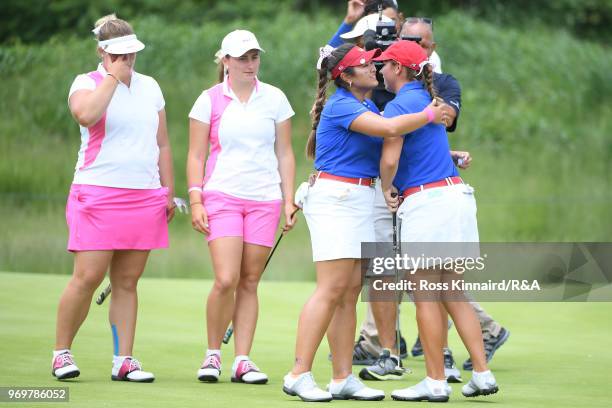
<point>244,127</point>
<point>120,201</point>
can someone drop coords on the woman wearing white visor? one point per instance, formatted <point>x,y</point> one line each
<point>120,201</point>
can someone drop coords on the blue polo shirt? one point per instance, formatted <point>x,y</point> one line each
<point>339,150</point>
<point>425,154</point>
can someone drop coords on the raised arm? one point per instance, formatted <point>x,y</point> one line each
<point>372,124</point>
<point>354,11</point>
<point>87,106</point>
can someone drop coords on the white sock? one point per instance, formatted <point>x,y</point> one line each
<point>293,378</point>
<point>338,381</point>
<point>58,352</point>
<point>237,360</point>
<point>476,374</point>
<point>118,360</point>
<point>210,352</point>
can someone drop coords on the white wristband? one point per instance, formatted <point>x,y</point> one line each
<point>194,189</point>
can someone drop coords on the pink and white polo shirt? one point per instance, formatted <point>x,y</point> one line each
<point>121,149</point>
<point>242,161</point>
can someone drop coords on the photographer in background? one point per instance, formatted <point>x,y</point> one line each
<point>357,9</point>
<point>374,24</point>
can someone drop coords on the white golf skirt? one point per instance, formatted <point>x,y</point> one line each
<point>339,217</point>
<point>383,218</point>
<point>442,214</point>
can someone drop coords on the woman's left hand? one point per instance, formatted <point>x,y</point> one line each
<point>170,208</point>
<point>463,160</point>
<point>392,198</point>
<point>290,216</point>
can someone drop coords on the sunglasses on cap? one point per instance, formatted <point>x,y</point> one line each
<point>413,20</point>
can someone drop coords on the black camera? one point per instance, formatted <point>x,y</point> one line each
<point>383,37</point>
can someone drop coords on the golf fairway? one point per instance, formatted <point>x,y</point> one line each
<point>557,355</point>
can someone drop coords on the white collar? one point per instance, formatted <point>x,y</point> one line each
<point>227,90</point>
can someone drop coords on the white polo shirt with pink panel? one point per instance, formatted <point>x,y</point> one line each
<point>121,149</point>
<point>242,160</point>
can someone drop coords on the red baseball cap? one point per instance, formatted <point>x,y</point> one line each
<point>407,53</point>
<point>355,57</point>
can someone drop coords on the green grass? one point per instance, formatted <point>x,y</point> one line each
<point>557,356</point>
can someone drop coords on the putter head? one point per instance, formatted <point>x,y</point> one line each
<point>300,194</point>
<point>181,205</point>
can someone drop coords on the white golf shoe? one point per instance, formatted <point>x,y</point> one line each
<point>423,392</point>
<point>353,389</point>
<point>481,384</point>
<point>130,369</point>
<point>305,387</point>
<point>210,369</point>
<point>63,366</point>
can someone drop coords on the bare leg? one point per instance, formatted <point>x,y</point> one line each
<point>431,327</point>
<point>89,270</point>
<point>385,315</point>
<point>246,307</point>
<point>341,330</point>
<point>444,318</point>
<point>466,321</point>
<point>469,330</point>
<point>333,277</point>
<point>226,254</point>
<point>126,268</point>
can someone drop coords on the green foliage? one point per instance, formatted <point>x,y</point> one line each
<point>37,20</point>
<point>536,116</point>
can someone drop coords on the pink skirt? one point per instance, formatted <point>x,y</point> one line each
<point>106,218</point>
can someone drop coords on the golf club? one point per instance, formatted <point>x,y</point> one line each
<point>399,296</point>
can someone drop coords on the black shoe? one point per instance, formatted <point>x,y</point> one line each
<point>417,348</point>
<point>385,368</point>
<point>361,356</point>
<point>491,345</point>
<point>403,348</point>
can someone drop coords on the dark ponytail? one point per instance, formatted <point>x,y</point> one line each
<point>427,78</point>
<point>324,75</point>
<point>317,108</point>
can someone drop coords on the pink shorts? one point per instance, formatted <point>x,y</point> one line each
<point>106,218</point>
<point>229,216</point>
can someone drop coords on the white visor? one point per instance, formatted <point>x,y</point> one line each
<point>364,24</point>
<point>122,45</point>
